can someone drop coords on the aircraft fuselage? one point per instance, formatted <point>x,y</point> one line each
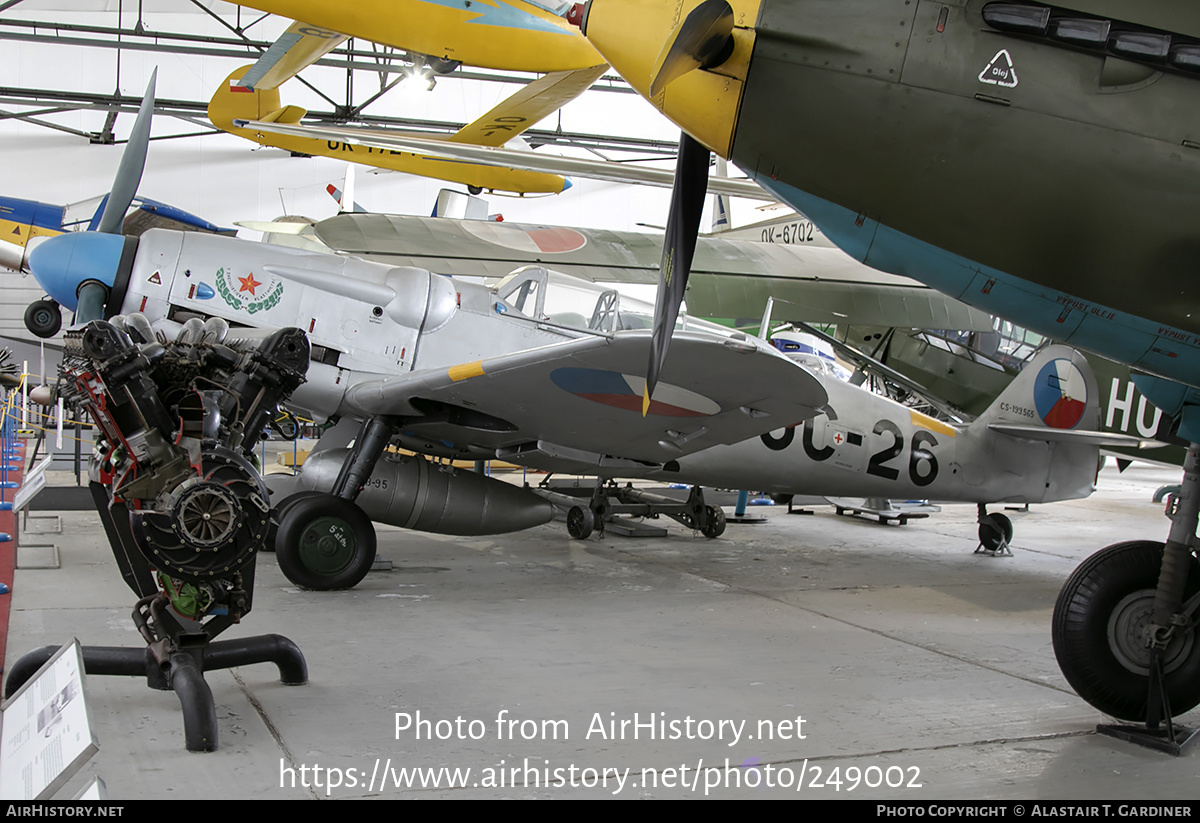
<point>1049,184</point>
<point>865,445</point>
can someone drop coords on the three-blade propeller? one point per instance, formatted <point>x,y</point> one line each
<point>679,246</point>
<point>703,39</point>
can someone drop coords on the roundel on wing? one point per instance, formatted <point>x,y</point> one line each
<point>1060,394</point>
<point>546,240</point>
<point>624,391</point>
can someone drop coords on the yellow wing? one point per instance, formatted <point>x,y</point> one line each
<point>234,104</point>
<point>531,104</point>
<point>300,46</point>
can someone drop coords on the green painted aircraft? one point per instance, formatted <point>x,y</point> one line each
<point>1039,162</point>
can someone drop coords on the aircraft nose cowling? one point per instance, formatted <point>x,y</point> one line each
<point>61,265</point>
<point>703,101</point>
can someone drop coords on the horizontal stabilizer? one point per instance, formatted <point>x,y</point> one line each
<point>1091,438</point>
<point>287,114</point>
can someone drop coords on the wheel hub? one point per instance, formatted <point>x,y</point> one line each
<point>1127,632</point>
<point>328,545</point>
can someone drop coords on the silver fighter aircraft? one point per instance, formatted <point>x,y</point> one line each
<point>540,366</point>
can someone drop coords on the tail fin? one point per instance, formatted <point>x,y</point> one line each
<point>1053,398</point>
<point>21,220</point>
<point>233,101</point>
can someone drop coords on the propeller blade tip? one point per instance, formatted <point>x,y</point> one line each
<point>646,400</point>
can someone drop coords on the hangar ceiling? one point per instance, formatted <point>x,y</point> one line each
<point>369,72</point>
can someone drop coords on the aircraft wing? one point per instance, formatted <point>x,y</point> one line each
<point>585,395</point>
<point>534,102</point>
<point>300,46</point>
<point>507,158</point>
<point>730,278</point>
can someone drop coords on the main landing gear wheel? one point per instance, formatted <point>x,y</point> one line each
<point>995,532</point>
<point>324,543</point>
<point>43,318</point>
<point>1099,628</point>
<point>277,513</point>
<point>715,527</point>
<point>580,522</point>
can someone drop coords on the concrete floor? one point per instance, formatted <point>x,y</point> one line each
<point>898,647</point>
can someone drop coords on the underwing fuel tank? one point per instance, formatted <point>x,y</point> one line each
<point>415,493</point>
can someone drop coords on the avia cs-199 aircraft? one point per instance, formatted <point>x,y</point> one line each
<point>988,149</point>
<point>541,370</point>
<point>533,368</point>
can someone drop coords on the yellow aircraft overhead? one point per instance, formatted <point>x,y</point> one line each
<point>235,104</point>
<point>510,35</point>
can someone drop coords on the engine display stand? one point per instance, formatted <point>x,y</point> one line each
<point>178,651</point>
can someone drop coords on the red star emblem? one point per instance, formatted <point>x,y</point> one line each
<point>249,284</point>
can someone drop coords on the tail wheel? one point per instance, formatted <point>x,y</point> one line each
<point>324,543</point>
<point>580,522</point>
<point>995,532</point>
<point>1099,632</point>
<point>715,527</point>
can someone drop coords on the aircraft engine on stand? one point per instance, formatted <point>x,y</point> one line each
<point>177,425</point>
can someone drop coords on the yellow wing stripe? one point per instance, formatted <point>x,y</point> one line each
<point>924,421</point>
<point>465,370</point>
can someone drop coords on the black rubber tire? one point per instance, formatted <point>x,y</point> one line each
<point>1109,590</point>
<point>715,526</point>
<point>475,189</point>
<point>277,512</point>
<point>995,532</point>
<point>580,522</point>
<point>43,318</point>
<point>442,65</point>
<point>325,543</point>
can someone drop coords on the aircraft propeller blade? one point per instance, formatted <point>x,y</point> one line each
<point>703,39</point>
<point>129,173</point>
<point>679,245</point>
